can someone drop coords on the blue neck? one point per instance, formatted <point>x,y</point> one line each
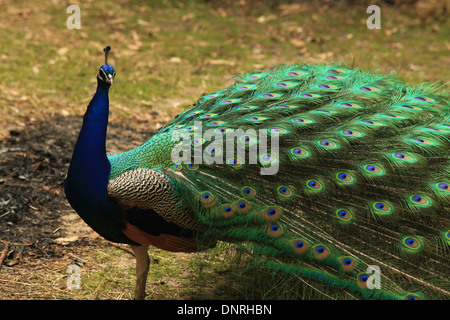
<point>89,169</point>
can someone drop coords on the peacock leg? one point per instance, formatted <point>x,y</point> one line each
<point>142,267</point>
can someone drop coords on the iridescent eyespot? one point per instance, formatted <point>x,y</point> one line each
<point>191,128</point>
<point>196,142</point>
<point>393,116</point>
<point>382,208</point>
<point>309,95</point>
<point>351,105</point>
<point>277,130</point>
<point>335,71</point>
<point>363,279</point>
<point>270,95</point>
<point>267,159</point>
<point>345,177</point>
<point>192,166</point>
<point>283,84</point>
<point>300,246</point>
<point>424,99</point>
<point>298,151</point>
<point>248,139</point>
<point>206,196</point>
<point>208,115</point>
<point>368,89</point>
<point>372,123</point>
<point>327,143</point>
<point>419,140</point>
<point>313,185</point>
<point>214,123</point>
<point>254,76</point>
<point>333,78</point>
<point>404,106</point>
<point>321,252</point>
<point>372,168</point>
<point>222,130</point>
<point>235,163</point>
<point>284,191</point>
<point>411,297</point>
<point>326,86</point>
<point>443,186</point>
<point>242,206</point>
<point>274,230</point>
<point>208,199</point>
<point>295,74</point>
<point>350,133</point>
<point>348,263</point>
<point>343,214</point>
<point>247,107</point>
<point>402,156</point>
<point>248,192</point>
<point>301,120</point>
<point>177,167</point>
<point>211,96</point>
<point>227,210</point>
<point>419,199</point>
<point>412,243</point>
<point>255,118</point>
<point>271,213</point>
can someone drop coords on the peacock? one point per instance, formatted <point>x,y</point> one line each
<point>333,174</point>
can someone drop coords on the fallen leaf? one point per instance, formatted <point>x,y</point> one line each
<point>62,51</point>
<point>297,42</point>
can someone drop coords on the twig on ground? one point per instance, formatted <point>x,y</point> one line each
<point>4,253</point>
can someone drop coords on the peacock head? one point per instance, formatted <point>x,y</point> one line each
<point>106,72</point>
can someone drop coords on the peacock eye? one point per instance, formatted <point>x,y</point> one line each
<point>443,186</point>
<point>380,206</point>
<point>364,278</point>
<point>320,249</point>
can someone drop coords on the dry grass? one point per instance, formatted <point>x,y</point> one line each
<point>167,54</point>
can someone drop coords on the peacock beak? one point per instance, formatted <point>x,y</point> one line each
<point>110,79</point>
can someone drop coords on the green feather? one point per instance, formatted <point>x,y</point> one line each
<point>361,175</point>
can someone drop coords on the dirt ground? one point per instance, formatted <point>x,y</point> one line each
<point>40,234</point>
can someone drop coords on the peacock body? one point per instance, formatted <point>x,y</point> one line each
<point>329,172</point>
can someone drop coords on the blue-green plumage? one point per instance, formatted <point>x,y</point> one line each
<point>323,169</point>
<point>88,175</point>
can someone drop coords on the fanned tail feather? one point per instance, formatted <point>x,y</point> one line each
<point>362,176</point>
